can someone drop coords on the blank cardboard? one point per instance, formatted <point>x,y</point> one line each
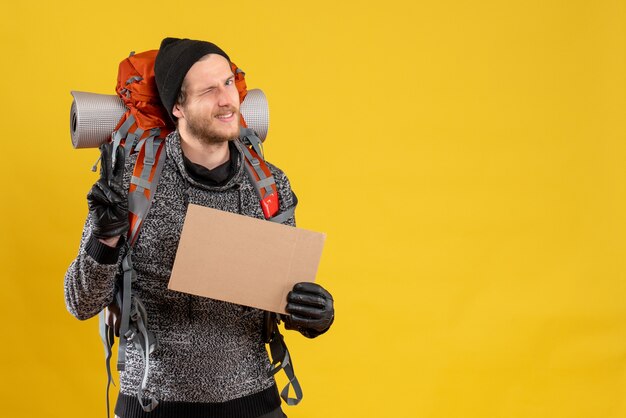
<point>243,260</point>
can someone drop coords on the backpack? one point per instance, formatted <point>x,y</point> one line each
<point>142,129</point>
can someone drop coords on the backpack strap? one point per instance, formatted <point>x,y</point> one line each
<point>144,181</point>
<point>265,186</point>
<point>281,360</point>
<point>258,172</point>
<point>122,132</point>
<point>107,334</point>
<point>133,327</point>
<point>123,299</point>
<point>262,179</point>
<point>145,342</point>
<point>287,212</point>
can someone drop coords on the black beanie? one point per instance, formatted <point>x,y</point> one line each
<point>175,58</point>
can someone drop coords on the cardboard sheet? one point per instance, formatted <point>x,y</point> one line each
<point>243,260</point>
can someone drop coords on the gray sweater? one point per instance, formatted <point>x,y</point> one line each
<point>208,351</point>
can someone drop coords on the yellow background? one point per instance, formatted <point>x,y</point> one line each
<point>466,159</point>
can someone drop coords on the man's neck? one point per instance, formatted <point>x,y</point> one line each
<point>207,155</point>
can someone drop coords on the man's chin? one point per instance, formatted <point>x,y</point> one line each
<point>217,136</point>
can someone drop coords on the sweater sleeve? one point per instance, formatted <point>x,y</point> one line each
<point>90,278</point>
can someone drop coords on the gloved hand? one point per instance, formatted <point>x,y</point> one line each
<point>310,309</point>
<point>108,205</point>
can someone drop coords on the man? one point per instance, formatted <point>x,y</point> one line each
<point>211,360</point>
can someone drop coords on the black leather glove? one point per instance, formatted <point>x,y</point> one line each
<point>108,204</point>
<point>310,309</point>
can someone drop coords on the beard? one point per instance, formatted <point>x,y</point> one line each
<point>209,131</point>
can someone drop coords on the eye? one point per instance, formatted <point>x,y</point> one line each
<point>230,81</point>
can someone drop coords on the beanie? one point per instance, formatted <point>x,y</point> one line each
<point>175,58</point>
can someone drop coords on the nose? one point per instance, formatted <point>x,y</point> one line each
<point>225,97</point>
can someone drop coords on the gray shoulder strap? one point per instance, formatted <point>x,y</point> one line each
<point>138,204</point>
<point>287,213</point>
<point>281,360</point>
<point>107,334</point>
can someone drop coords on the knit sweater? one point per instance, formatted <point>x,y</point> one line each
<point>210,353</point>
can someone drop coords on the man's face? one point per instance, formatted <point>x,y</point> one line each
<point>211,108</point>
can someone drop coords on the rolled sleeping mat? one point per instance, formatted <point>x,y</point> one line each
<point>256,112</point>
<point>93,117</point>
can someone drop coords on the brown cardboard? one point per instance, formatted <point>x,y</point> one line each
<point>243,260</point>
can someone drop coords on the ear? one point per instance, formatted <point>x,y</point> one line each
<point>177,111</point>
